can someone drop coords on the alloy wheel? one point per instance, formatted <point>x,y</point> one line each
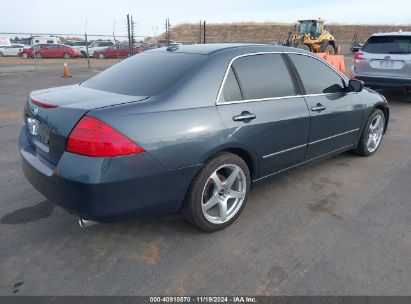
<point>375,132</point>
<point>224,193</point>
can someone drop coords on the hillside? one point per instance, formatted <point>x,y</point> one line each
<point>269,32</point>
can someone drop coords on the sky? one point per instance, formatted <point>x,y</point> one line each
<point>50,16</point>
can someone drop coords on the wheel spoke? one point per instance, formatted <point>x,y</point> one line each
<point>369,141</point>
<point>374,141</point>
<point>210,203</point>
<point>223,209</point>
<point>216,180</point>
<point>231,179</point>
<point>236,194</point>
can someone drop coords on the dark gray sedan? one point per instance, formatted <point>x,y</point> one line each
<point>189,128</point>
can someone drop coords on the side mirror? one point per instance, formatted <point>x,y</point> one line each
<point>356,85</point>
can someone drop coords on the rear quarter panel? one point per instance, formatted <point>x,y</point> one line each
<point>175,138</point>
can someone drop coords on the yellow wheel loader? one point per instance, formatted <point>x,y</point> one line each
<point>311,35</point>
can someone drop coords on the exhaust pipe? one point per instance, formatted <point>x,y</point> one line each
<point>85,223</point>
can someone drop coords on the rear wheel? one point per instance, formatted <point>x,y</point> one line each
<point>372,135</point>
<point>218,193</point>
<point>67,56</point>
<point>38,56</point>
<point>101,56</point>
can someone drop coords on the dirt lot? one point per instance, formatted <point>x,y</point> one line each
<point>338,227</point>
<point>10,65</point>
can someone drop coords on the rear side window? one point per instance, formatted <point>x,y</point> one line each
<point>317,77</point>
<point>231,90</point>
<point>263,76</point>
<point>388,45</point>
<point>145,74</point>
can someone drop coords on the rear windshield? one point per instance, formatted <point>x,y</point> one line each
<point>145,74</point>
<point>388,45</point>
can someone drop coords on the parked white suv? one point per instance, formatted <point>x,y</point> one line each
<point>384,61</point>
<point>98,46</point>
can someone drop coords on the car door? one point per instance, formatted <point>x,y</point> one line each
<point>260,104</point>
<point>336,113</point>
<point>47,50</point>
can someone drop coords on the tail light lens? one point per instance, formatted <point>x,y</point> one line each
<point>93,137</point>
<point>358,56</point>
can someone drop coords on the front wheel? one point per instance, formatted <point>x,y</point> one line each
<point>372,135</point>
<point>67,56</point>
<point>329,49</point>
<point>218,193</point>
<point>38,56</point>
<point>25,56</point>
<point>101,56</point>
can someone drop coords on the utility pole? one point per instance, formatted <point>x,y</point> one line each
<point>204,32</point>
<point>115,41</point>
<point>200,33</point>
<point>129,34</point>
<point>168,34</point>
<point>132,34</point>
<point>85,38</point>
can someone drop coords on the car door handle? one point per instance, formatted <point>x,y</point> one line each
<point>318,108</point>
<point>244,116</point>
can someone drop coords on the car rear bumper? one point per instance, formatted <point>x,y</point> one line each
<point>383,82</point>
<point>106,189</point>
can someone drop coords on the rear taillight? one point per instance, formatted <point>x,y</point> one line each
<point>93,137</point>
<point>358,57</point>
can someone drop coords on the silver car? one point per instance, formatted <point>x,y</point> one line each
<point>384,61</point>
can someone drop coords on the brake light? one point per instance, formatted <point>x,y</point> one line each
<point>93,137</point>
<point>358,56</point>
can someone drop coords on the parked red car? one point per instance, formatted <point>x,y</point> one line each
<point>111,52</point>
<point>50,51</point>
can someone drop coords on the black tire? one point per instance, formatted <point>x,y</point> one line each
<point>304,46</point>
<point>192,207</point>
<point>38,56</point>
<point>66,56</point>
<point>101,56</point>
<point>362,148</point>
<point>329,49</point>
<point>25,56</point>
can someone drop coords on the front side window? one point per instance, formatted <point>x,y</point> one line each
<point>263,76</point>
<point>317,77</point>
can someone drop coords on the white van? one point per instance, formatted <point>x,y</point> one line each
<point>44,39</point>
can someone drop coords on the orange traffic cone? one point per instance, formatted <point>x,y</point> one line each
<point>66,73</point>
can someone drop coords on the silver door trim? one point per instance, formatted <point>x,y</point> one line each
<point>304,162</point>
<point>284,151</point>
<point>334,136</point>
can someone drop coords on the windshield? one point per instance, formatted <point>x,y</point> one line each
<point>145,74</point>
<point>309,27</point>
<point>388,45</point>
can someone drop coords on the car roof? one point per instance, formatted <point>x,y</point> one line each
<point>399,33</point>
<point>208,49</point>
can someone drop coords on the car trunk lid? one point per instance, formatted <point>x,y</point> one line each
<point>51,114</point>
